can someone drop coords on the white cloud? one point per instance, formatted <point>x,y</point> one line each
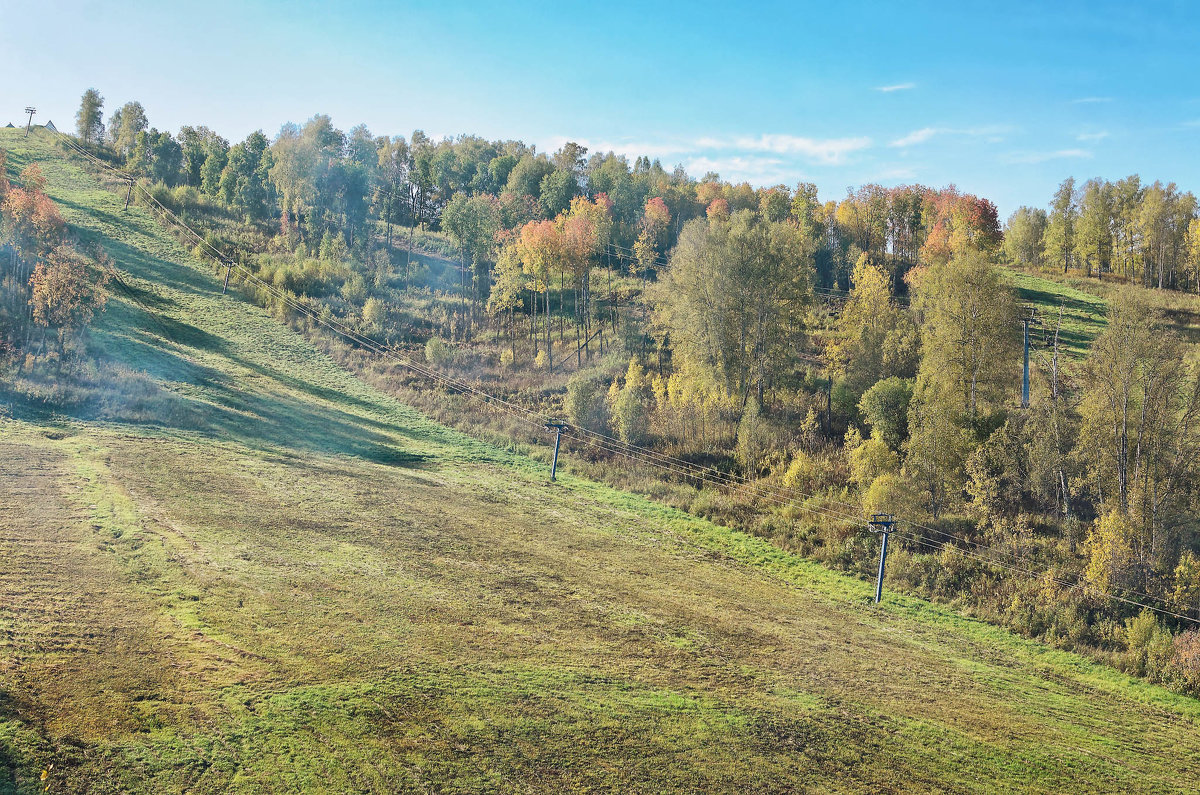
<point>828,151</point>
<point>733,157</point>
<point>993,132</point>
<point>916,137</point>
<point>1092,136</point>
<point>1090,100</point>
<point>1042,157</point>
<point>896,87</point>
<point>753,169</point>
<point>631,149</point>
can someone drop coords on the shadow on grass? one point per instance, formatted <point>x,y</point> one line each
<point>137,261</point>
<point>223,408</point>
<point>276,410</point>
<point>1050,299</point>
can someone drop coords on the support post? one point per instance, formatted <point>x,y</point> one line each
<point>228,270</point>
<point>129,195</point>
<point>29,124</point>
<point>881,523</point>
<point>558,428</point>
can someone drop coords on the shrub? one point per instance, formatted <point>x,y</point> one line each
<point>753,438</point>
<point>804,473</point>
<point>438,352</point>
<point>354,290</point>
<point>885,408</point>
<point>631,406</point>
<point>890,493</point>
<point>1111,558</point>
<point>374,313</point>
<point>1183,670</point>
<point>1148,645</point>
<point>586,404</point>
<point>870,459</point>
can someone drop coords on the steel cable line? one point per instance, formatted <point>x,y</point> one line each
<point>333,325</point>
<point>920,540</point>
<point>678,466</point>
<point>597,440</point>
<point>781,498</point>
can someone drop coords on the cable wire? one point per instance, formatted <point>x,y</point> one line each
<point>662,461</point>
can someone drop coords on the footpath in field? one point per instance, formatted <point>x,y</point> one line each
<point>278,579</point>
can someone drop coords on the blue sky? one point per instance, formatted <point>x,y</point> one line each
<point>1002,99</point>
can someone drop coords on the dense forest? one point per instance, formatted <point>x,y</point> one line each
<point>830,359</point>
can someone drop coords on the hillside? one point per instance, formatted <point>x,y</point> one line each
<point>1084,302</point>
<point>256,573</point>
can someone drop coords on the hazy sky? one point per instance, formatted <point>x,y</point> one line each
<point>1003,99</point>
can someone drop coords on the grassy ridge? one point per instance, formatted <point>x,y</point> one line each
<point>278,579</point>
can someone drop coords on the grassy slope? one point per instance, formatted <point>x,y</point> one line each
<point>1082,312</point>
<point>1084,304</point>
<point>298,583</point>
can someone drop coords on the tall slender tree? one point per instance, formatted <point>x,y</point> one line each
<point>89,121</point>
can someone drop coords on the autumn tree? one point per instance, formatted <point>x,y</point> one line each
<point>968,338</point>
<point>585,230</point>
<point>65,294</point>
<point>1140,433</point>
<point>509,282</point>
<point>1024,239</point>
<point>32,222</point>
<point>873,337</point>
<point>1162,223</point>
<point>936,452</point>
<point>733,300</point>
<point>656,220</point>
<point>968,357</point>
<point>958,225</point>
<point>1112,553</point>
<point>631,405</point>
<point>540,250</point>
<point>1094,238</point>
<point>89,120</point>
<point>1186,578</point>
<point>1191,267</point>
<point>1061,224</point>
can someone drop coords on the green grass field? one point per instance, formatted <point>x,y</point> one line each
<point>275,578</point>
<point>1083,313</point>
<point>1084,306</point>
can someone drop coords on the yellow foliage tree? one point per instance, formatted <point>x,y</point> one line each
<point>874,338</point>
<point>1187,584</point>
<point>1112,560</point>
